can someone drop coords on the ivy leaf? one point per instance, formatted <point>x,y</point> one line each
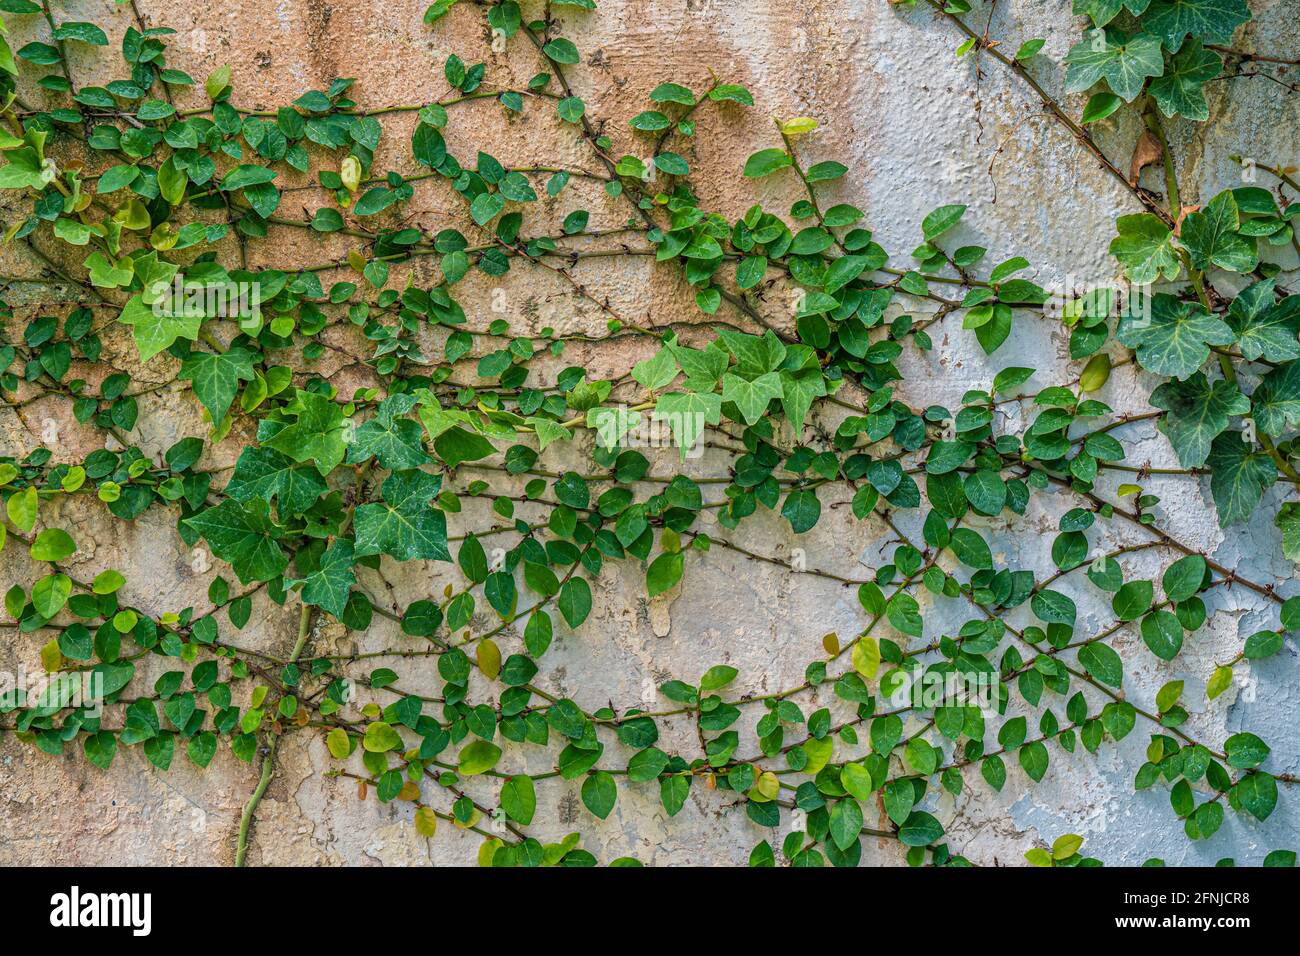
<point>1197,412</point>
<point>1266,329</point>
<point>1143,246</point>
<point>316,433</point>
<point>216,378</point>
<point>1124,64</point>
<point>1214,21</point>
<point>703,367</point>
<point>405,525</point>
<point>329,585</point>
<point>611,424</point>
<point>751,398</point>
<point>1101,12</point>
<point>1181,91</point>
<point>243,535</point>
<point>1277,399</point>
<point>1210,237</point>
<point>798,389</point>
<point>687,413</point>
<point>656,372</point>
<point>1288,522</point>
<point>265,473</point>
<point>396,441</point>
<point>1176,340</point>
<point>157,330</point>
<point>1239,476</point>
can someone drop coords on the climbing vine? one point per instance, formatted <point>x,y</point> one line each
<point>139,200</point>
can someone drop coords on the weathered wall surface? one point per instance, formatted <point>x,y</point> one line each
<point>917,127</point>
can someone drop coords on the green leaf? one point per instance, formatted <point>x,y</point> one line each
<point>941,220</point>
<point>647,764</point>
<point>1288,522</point>
<point>664,572</point>
<point>437,10</point>
<point>672,164</point>
<point>329,585</point>
<point>1257,792</point>
<point>1053,607</point>
<point>485,207</point>
<point>1133,600</point>
<point>717,677</point>
<point>1197,412</point>
<point>920,829</point>
<point>1176,340</point>
<point>405,525</point>
<point>1277,400</point>
<point>599,793</point>
<point>1163,634</point>
<point>243,534</point>
<point>656,372</point>
<point>561,51</point>
<point>456,446</point>
<point>1245,751</point>
<point>53,544</point>
<point>519,799</point>
<point>822,172</point>
<point>265,473</point>
<point>1101,661</point>
<point>1183,578</point>
<point>156,330</point>
<point>478,757</point>
<point>802,509</point>
<point>798,390</point>
<point>1266,329</point>
<point>1214,21</point>
<point>1180,91</point>
<point>687,413</point>
<point>971,549</point>
<point>752,398</point>
<point>100,748</point>
<point>1239,476</point>
<point>317,432</point>
<point>23,507</point>
<point>575,601</point>
<point>1144,247</point>
<point>846,822</point>
<point>1211,238</point>
<point>1099,106</point>
<point>241,177</point>
<point>381,738</point>
<point>1124,65</point>
<point>82,32</point>
<point>765,162</point>
<point>1034,760</point>
<point>396,441</point>
<point>50,593</point>
<point>216,378</point>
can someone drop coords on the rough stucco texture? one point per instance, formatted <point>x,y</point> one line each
<point>917,127</point>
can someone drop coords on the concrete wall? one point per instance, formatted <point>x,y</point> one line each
<point>918,127</point>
